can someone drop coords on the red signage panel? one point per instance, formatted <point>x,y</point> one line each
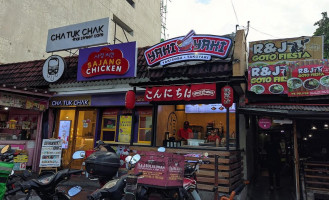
<point>181,93</point>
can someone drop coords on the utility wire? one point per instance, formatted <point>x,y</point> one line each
<point>236,16</point>
<point>264,33</point>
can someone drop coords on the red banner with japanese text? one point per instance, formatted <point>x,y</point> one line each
<point>308,78</point>
<point>181,93</point>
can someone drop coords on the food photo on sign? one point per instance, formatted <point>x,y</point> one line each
<point>308,78</point>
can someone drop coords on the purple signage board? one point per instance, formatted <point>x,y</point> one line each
<point>107,62</point>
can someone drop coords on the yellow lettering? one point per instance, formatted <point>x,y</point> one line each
<point>118,62</point>
<point>94,64</point>
<point>89,64</point>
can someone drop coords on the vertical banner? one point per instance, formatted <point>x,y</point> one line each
<point>64,132</point>
<point>125,128</point>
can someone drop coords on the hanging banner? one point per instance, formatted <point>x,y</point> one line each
<point>125,128</point>
<point>189,47</point>
<point>64,132</point>
<point>308,78</point>
<point>181,93</point>
<point>268,79</point>
<point>51,153</point>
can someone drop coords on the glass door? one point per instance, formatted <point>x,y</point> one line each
<point>85,132</point>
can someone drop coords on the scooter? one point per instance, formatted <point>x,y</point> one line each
<point>7,155</point>
<point>45,187</point>
<point>123,188</point>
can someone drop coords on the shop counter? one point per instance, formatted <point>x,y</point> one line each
<point>27,145</point>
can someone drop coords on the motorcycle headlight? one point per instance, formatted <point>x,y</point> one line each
<point>110,184</point>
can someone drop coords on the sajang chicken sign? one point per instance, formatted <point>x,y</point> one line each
<point>189,47</point>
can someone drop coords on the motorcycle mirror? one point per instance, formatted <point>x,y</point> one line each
<point>205,154</point>
<point>161,149</point>
<point>5,148</point>
<point>79,155</point>
<point>74,191</point>
<point>12,172</point>
<point>135,159</point>
<point>128,158</point>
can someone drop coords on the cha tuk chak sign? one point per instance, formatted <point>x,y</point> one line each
<point>189,47</point>
<point>107,62</point>
<point>181,92</point>
<point>78,35</point>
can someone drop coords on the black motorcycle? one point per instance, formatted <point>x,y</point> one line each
<point>46,187</point>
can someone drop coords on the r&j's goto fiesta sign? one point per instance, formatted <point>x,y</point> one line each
<point>189,47</point>
<point>107,62</point>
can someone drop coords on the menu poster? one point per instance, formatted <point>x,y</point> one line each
<point>51,153</point>
<point>125,128</point>
<point>308,78</point>
<point>267,79</point>
<point>64,132</point>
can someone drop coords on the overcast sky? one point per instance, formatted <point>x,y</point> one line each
<point>269,19</point>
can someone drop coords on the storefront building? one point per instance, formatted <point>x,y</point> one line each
<point>24,117</point>
<point>156,122</point>
<point>291,106</point>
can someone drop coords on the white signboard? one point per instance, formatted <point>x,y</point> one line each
<point>51,153</point>
<point>207,108</point>
<point>78,35</point>
<point>64,132</point>
<point>53,68</point>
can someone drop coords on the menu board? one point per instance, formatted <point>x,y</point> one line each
<point>51,153</point>
<point>308,78</point>
<point>207,108</point>
<point>125,128</point>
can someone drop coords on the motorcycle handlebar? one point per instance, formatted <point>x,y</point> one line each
<point>13,191</point>
<point>139,174</point>
<point>75,171</point>
<point>96,195</point>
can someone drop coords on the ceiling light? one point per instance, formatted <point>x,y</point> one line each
<point>282,131</point>
<point>313,127</point>
<point>325,126</point>
<point>67,117</point>
<point>305,138</point>
<point>6,108</point>
<point>310,135</point>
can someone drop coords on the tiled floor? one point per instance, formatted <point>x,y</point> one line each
<point>259,190</point>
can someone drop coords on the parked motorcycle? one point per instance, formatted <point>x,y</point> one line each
<point>7,155</point>
<point>46,187</point>
<point>123,188</point>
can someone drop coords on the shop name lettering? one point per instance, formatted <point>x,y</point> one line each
<point>77,35</point>
<point>263,74</point>
<point>152,167</point>
<point>70,103</point>
<point>208,45</point>
<point>269,52</point>
<point>314,71</point>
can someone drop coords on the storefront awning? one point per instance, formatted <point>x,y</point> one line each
<point>287,110</point>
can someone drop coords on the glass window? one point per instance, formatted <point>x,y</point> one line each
<point>109,128</point>
<point>145,129</point>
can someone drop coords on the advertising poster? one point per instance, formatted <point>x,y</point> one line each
<point>308,78</point>
<point>125,128</point>
<point>64,132</point>
<point>268,79</point>
<point>51,153</point>
<point>269,59</point>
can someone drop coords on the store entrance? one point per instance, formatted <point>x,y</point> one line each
<point>274,166</point>
<point>82,124</point>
